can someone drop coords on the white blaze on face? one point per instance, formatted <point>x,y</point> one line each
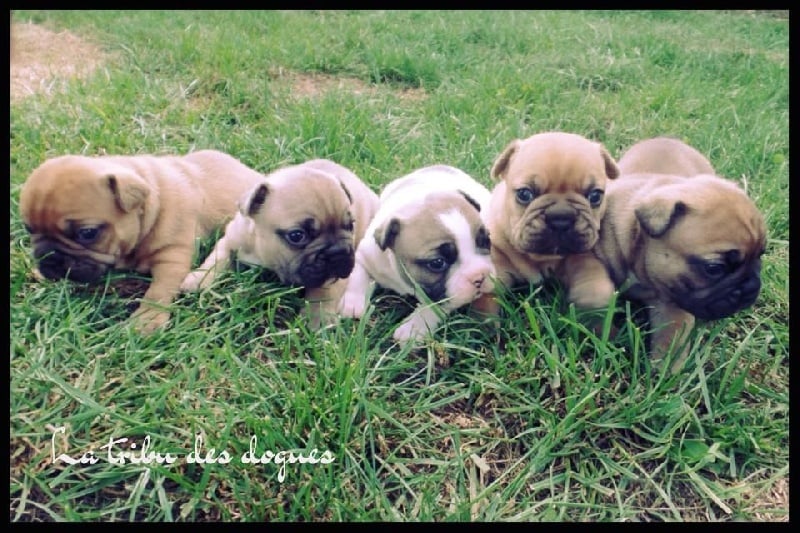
<point>470,276</point>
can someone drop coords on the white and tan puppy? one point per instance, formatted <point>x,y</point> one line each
<point>302,222</point>
<point>87,215</point>
<point>427,240</point>
<point>688,242</point>
<point>545,213</point>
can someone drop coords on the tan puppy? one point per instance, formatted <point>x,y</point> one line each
<point>545,213</point>
<point>688,246</point>
<point>87,215</point>
<point>303,222</point>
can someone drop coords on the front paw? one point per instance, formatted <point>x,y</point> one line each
<point>411,331</point>
<point>352,305</point>
<point>196,280</point>
<point>146,319</point>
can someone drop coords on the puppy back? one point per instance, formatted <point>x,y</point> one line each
<point>664,155</point>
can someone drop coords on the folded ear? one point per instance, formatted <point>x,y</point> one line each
<point>128,188</point>
<point>658,215</point>
<point>500,165</point>
<point>252,202</point>
<point>612,170</point>
<point>386,234</point>
<point>472,201</point>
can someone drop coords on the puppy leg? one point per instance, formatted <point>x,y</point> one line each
<point>424,320</point>
<point>217,261</point>
<point>167,274</point>
<point>323,303</point>
<point>590,286</point>
<point>358,292</point>
<point>672,326</point>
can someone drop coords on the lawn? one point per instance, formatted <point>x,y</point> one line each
<point>537,419</point>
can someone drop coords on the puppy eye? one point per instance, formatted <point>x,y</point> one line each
<point>349,225</point>
<point>714,270</point>
<point>437,265</point>
<point>525,196</point>
<point>296,237</point>
<point>595,197</point>
<point>482,239</point>
<point>87,235</point>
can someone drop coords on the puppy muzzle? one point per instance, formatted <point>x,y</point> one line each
<point>726,299</point>
<point>556,232</point>
<point>55,264</point>
<point>333,262</point>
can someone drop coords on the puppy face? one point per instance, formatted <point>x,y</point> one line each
<point>554,185</point>
<point>442,247</point>
<point>704,240</point>
<point>84,216</point>
<point>303,227</point>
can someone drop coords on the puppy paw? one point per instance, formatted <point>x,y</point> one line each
<point>352,305</point>
<point>410,331</point>
<point>146,320</point>
<point>196,280</point>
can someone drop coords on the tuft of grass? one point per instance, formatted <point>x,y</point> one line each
<point>537,417</point>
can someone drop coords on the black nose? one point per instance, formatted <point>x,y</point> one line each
<point>747,292</point>
<point>52,266</point>
<point>560,221</point>
<point>336,251</point>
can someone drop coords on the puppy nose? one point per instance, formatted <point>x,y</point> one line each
<point>479,281</point>
<point>560,221</point>
<point>338,248</point>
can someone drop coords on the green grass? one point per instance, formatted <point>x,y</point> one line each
<point>538,420</point>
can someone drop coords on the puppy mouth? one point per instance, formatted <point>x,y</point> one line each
<point>548,242</point>
<point>331,263</point>
<point>58,265</point>
<point>724,300</point>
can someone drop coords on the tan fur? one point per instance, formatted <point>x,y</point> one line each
<point>154,208</point>
<point>664,155</point>
<point>657,223</point>
<point>561,168</point>
<point>318,190</point>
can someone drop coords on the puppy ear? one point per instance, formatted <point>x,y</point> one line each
<point>612,170</point>
<point>386,234</point>
<point>346,191</point>
<point>252,202</point>
<point>471,200</point>
<point>660,214</point>
<point>129,190</point>
<point>501,163</point>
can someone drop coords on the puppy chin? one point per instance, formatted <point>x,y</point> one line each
<point>723,301</point>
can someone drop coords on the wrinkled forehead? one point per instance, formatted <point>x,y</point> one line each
<point>446,218</point>
<point>50,200</point>
<point>719,220</point>
<point>557,167</point>
<point>310,195</point>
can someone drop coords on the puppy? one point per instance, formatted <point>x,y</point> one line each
<point>87,215</point>
<point>303,222</point>
<point>427,240</point>
<point>545,213</point>
<point>688,242</point>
